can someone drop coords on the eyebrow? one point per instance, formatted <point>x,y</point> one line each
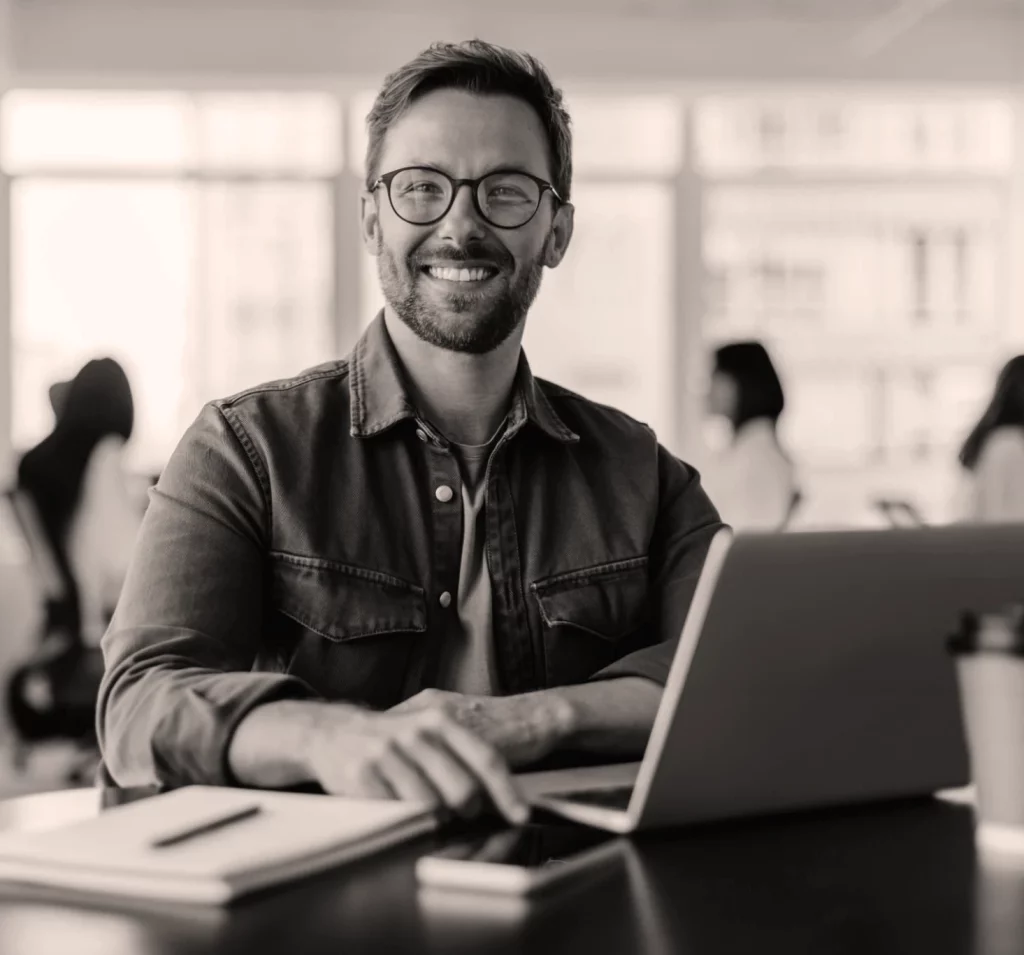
<point>504,167</point>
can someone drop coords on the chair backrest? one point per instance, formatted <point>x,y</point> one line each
<point>44,561</point>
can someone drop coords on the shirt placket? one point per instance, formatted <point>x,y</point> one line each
<point>445,497</point>
<point>519,667</point>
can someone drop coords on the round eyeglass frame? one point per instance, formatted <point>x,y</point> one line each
<point>474,184</point>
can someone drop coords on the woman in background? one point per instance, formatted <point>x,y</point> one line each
<point>76,479</point>
<point>993,454</point>
<point>751,481</point>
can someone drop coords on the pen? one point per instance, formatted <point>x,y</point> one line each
<point>218,822</point>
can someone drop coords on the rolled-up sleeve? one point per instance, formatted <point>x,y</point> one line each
<point>685,524</point>
<point>179,650</point>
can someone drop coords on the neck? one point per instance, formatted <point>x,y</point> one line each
<point>756,424</point>
<point>464,395</point>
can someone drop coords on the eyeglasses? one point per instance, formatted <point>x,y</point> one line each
<point>422,196</point>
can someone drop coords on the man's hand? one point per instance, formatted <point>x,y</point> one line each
<point>422,754</point>
<point>443,748</point>
<point>524,728</point>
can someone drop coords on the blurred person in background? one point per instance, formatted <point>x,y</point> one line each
<point>751,479</point>
<point>76,479</point>
<point>992,457</point>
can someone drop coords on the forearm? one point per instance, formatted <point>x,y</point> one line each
<point>169,701</point>
<point>612,717</point>
<point>270,747</point>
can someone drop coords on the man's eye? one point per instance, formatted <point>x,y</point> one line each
<point>507,194</point>
<point>423,188</point>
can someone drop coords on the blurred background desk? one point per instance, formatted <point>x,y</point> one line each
<point>895,878</point>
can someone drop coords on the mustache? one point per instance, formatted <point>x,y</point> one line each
<point>499,258</point>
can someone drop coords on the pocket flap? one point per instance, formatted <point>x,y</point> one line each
<point>609,601</point>
<point>343,602</point>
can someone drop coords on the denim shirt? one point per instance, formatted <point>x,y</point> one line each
<point>296,547</point>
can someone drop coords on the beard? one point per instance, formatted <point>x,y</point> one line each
<point>453,326</point>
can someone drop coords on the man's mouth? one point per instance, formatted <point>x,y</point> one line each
<point>462,275</point>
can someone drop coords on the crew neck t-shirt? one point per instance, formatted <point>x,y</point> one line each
<point>467,654</point>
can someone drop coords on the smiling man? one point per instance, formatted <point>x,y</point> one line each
<point>406,573</point>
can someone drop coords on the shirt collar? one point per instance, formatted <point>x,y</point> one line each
<point>380,398</point>
<point>531,404</point>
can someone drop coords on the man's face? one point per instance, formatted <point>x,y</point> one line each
<point>461,283</point>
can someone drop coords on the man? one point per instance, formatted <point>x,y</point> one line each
<point>405,573</point>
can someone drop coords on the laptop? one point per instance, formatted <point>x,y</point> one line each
<point>811,671</point>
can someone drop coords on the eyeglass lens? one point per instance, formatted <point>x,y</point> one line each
<point>506,199</point>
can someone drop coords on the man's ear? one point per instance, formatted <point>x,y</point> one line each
<point>559,236</point>
<point>369,223</point>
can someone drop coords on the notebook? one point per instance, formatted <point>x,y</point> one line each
<point>292,835</point>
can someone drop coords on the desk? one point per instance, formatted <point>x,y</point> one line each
<point>900,878</point>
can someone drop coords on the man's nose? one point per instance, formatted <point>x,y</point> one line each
<point>462,223</point>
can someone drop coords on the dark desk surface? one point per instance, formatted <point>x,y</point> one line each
<point>895,878</point>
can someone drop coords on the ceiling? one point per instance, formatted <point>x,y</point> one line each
<point>948,41</point>
<point>802,10</point>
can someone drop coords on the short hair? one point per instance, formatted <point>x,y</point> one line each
<point>476,67</point>
<point>759,391</point>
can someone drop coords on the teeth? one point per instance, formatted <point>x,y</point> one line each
<point>458,275</point>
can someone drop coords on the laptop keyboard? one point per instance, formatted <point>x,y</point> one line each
<point>614,798</point>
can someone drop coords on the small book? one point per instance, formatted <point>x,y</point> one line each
<point>208,844</point>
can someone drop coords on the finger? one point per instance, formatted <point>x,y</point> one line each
<point>454,781</point>
<point>367,784</point>
<point>488,766</point>
<point>405,778</point>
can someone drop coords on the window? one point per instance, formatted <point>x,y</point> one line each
<point>872,134</point>
<point>189,236</point>
<point>863,240</point>
<point>100,268</point>
<point>602,323</point>
<point>266,282</point>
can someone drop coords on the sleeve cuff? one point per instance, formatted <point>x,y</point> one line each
<point>191,743</point>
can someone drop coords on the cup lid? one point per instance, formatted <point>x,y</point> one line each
<point>1001,632</point>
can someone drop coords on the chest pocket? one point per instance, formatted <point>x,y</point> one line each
<point>592,617</point>
<point>348,631</point>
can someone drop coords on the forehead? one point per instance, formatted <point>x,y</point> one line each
<point>465,134</point>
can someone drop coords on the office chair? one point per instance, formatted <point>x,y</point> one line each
<point>52,695</point>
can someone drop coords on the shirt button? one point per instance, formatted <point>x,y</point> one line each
<point>421,434</point>
<point>445,600</point>
<point>444,494</point>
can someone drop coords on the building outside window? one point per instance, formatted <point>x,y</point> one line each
<point>864,240</point>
